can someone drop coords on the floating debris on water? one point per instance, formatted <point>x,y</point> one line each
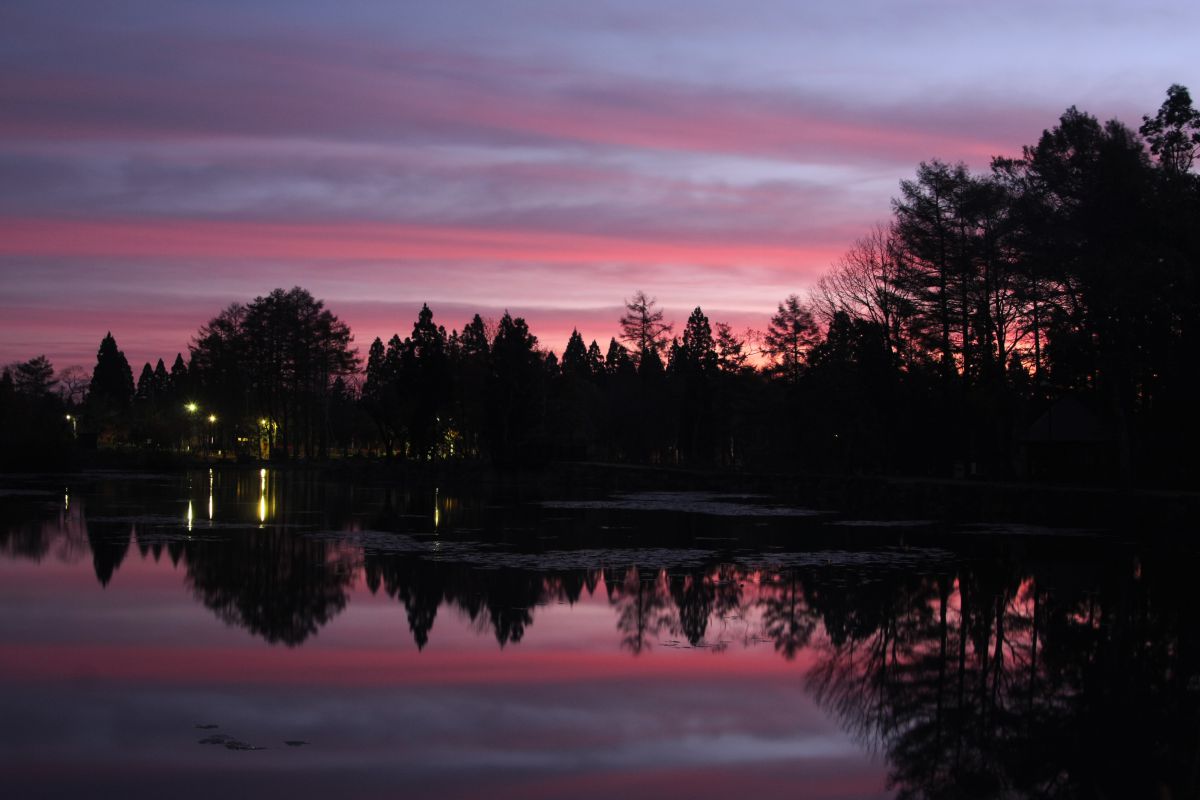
<point>229,742</point>
<point>883,523</point>
<point>884,558</point>
<point>216,738</point>
<point>27,493</point>
<point>708,503</point>
<point>486,557</point>
<point>235,744</point>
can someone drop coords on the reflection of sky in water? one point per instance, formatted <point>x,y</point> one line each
<point>129,671</point>
<point>625,647</point>
<point>105,681</point>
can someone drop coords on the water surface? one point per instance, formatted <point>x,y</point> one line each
<point>333,639</point>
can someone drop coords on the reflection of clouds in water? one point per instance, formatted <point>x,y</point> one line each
<point>627,724</point>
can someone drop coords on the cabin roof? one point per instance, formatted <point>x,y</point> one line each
<point>1067,420</point>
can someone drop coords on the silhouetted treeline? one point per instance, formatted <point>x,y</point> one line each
<point>1040,319</point>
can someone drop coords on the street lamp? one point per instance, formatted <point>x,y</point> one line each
<point>71,419</point>
<point>191,409</point>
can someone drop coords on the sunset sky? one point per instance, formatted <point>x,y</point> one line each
<point>159,160</point>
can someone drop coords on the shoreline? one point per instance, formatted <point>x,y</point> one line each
<point>872,496</point>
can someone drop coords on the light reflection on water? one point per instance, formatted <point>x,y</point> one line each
<point>606,651</point>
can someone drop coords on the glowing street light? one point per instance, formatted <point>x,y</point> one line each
<point>212,418</point>
<point>262,497</point>
<point>71,419</point>
<point>191,408</point>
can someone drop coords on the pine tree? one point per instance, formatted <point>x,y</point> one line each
<point>699,350</point>
<point>180,384</point>
<point>643,328</point>
<point>162,380</point>
<point>145,386</point>
<point>575,358</point>
<point>112,379</point>
<point>791,333</point>
<point>595,360</point>
<point>618,361</point>
<point>35,378</point>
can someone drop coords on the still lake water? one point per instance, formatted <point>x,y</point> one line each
<point>381,641</point>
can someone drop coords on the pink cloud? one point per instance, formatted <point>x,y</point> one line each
<point>174,238</point>
<point>329,89</point>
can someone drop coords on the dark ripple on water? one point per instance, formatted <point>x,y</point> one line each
<point>707,503</point>
<point>484,555</point>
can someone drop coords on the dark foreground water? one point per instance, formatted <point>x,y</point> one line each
<point>247,634</point>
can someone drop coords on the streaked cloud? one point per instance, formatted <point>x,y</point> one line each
<point>530,155</point>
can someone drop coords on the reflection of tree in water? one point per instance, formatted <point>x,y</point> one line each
<point>642,598</point>
<point>976,680</point>
<point>648,601</point>
<point>497,600</point>
<point>787,619</point>
<point>27,532</point>
<point>991,683</point>
<point>704,596</point>
<point>419,585</point>
<point>510,597</point>
<point>110,544</point>
<point>276,585</point>
<point>693,594</point>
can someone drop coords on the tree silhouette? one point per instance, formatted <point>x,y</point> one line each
<point>516,388</point>
<point>112,379</point>
<point>695,365</point>
<point>73,385</point>
<point>35,378</point>
<point>110,391</point>
<point>865,283</point>
<point>595,361</point>
<point>426,377</point>
<point>575,358</point>
<point>790,335</point>
<point>642,326</point>
<point>1174,132</point>
<point>269,366</point>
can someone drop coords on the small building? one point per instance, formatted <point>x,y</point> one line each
<point>1069,442</point>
